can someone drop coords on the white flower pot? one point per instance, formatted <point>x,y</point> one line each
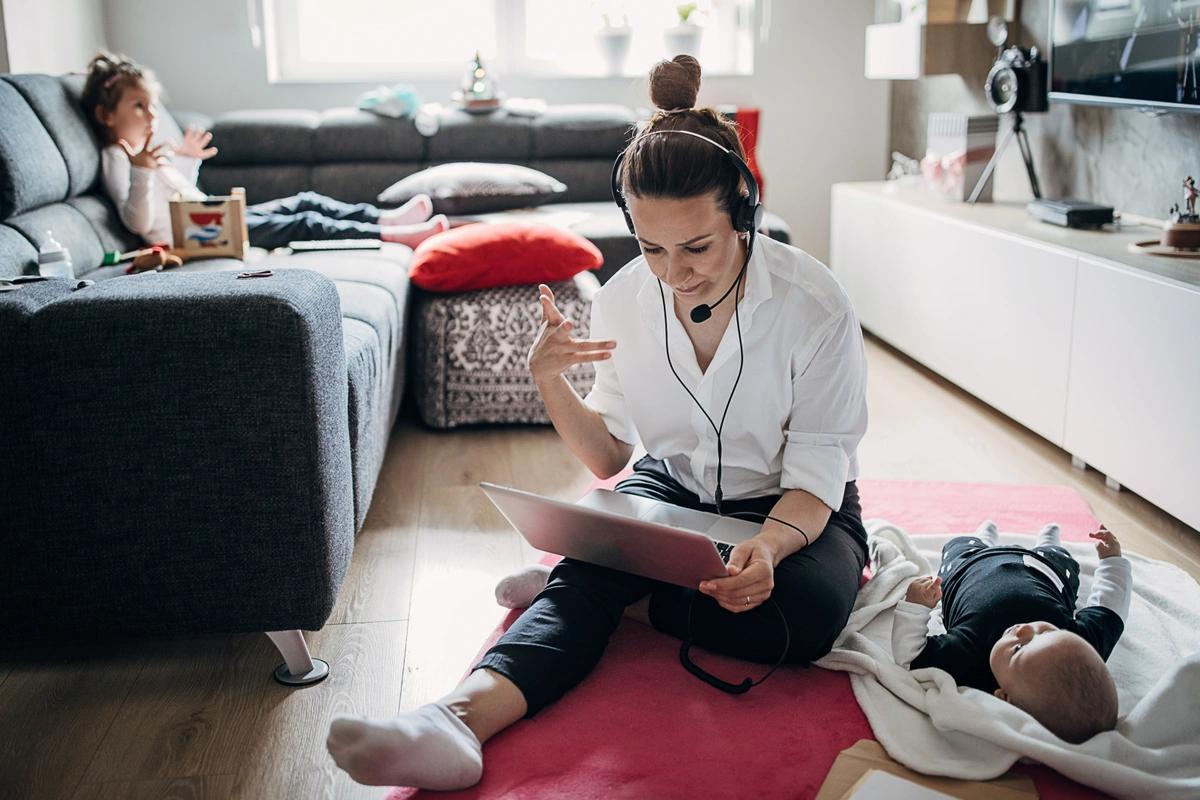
<point>683,38</point>
<point>613,42</point>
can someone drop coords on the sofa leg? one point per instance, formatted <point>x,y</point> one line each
<point>299,668</point>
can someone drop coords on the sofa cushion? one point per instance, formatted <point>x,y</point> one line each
<point>580,131</point>
<point>262,182</point>
<point>32,170</point>
<point>473,187</point>
<point>273,136</point>
<point>17,255</point>
<point>498,136</point>
<point>69,227</point>
<point>347,134</point>
<point>60,114</point>
<point>111,232</point>
<point>360,181</point>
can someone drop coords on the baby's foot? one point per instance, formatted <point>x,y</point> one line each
<point>417,209</point>
<point>520,588</point>
<point>989,533</point>
<point>1049,535</point>
<point>429,748</point>
<point>413,235</point>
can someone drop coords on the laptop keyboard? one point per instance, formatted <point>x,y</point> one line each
<point>724,550</point>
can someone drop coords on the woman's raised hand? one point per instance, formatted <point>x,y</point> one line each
<point>553,350</point>
<point>148,157</point>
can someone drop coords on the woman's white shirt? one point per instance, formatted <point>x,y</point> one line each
<point>800,408</point>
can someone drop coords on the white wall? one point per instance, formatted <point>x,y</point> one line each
<point>52,36</point>
<point>822,121</point>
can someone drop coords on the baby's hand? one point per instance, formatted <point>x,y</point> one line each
<point>927,591</point>
<point>1107,545</point>
<point>195,144</point>
<point>148,158</point>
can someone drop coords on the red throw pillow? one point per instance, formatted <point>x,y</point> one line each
<point>484,255</point>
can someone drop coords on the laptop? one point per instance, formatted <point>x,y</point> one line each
<point>633,534</point>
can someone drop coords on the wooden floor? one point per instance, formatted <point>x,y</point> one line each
<point>201,718</point>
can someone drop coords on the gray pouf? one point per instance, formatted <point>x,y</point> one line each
<point>469,352</point>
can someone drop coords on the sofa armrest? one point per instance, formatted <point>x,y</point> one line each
<point>191,457</point>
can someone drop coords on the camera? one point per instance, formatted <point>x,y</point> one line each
<point>1017,82</point>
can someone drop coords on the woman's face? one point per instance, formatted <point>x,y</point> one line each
<point>133,119</point>
<point>689,244</point>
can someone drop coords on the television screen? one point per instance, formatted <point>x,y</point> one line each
<point>1126,52</point>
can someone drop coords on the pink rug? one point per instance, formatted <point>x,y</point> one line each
<point>640,727</point>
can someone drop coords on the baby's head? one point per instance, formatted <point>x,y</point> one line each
<point>119,98</point>
<point>1057,678</point>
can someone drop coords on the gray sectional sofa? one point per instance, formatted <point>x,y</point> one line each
<point>193,451</point>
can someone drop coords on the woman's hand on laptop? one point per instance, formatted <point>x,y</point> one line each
<point>554,351</point>
<point>751,577</point>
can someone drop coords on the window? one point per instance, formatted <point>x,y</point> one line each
<point>370,40</point>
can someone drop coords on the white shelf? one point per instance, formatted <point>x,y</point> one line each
<point>1064,331</point>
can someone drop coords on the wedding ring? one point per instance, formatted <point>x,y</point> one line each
<point>747,599</point>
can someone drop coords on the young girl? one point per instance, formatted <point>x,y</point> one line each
<point>142,172</point>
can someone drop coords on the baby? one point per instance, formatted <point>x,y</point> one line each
<point>1012,628</point>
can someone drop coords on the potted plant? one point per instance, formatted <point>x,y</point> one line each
<point>684,37</point>
<point>613,41</point>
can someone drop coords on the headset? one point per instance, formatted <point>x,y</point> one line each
<point>746,216</point>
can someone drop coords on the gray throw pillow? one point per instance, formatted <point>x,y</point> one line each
<point>473,187</point>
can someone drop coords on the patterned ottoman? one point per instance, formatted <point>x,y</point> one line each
<point>469,349</point>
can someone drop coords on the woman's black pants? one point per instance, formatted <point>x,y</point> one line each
<point>557,641</point>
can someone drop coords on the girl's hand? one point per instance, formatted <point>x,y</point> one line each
<point>553,350</point>
<point>751,577</point>
<point>195,144</point>
<point>1107,545</point>
<point>927,591</point>
<point>148,158</point>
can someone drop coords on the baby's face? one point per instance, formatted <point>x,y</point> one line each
<point>1021,648</point>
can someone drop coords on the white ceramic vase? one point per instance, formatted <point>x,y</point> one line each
<point>613,41</point>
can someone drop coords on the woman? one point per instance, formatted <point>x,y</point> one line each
<point>788,448</point>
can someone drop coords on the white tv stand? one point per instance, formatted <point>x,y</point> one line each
<point>1092,347</point>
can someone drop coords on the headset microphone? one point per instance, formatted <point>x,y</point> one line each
<point>703,312</point>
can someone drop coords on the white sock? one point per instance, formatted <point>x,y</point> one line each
<point>989,533</point>
<point>1049,535</point>
<point>417,209</point>
<point>428,748</point>
<point>519,589</point>
<point>413,235</point>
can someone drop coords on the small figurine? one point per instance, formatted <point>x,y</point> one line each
<point>1182,230</point>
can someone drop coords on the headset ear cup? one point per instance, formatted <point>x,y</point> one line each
<point>628,220</point>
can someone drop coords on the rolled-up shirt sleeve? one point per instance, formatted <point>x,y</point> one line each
<point>829,413</point>
<point>606,397</point>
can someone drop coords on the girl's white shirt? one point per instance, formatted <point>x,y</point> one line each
<point>800,408</point>
<point>142,195</point>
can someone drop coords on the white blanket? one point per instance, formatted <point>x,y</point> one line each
<point>930,725</point>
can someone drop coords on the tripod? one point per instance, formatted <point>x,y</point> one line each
<point>1017,130</point>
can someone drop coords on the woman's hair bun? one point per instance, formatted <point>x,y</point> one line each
<point>675,83</point>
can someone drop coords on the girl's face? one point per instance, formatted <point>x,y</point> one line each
<point>689,244</point>
<point>133,119</point>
